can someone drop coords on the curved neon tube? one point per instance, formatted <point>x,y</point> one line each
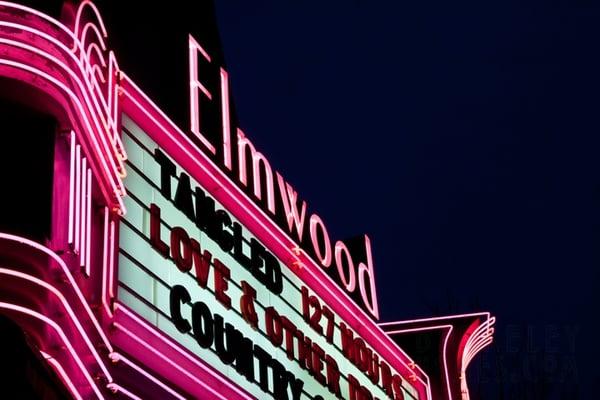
<point>63,374</point>
<point>117,388</point>
<point>96,12</point>
<point>116,357</point>
<point>69,276</point>
<point>448,333</point>
<point>84,67</point>
<point>167,360</point>
<point>90,86</point>
<point>177,348</point>
<point>69,310</point>
<point>63,337</point>
<point>74,97</point>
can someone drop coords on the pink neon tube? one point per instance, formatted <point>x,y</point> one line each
<point>116,357</point>
<point>77,197</point>
<point>36,71</point>
<point>88,223</point>
<point>111,261</point>
<point>63,337</point>
<point>448,333</point>
<point>70,279</point>
<point>83,65</point>
<point>69,310</point>
<point>105,255</point>
<point>177,348</point>
<point>120,189</point>
<point>83,220</point>
<point>71,186</point>
<point>120,389</point>
<point>167,360</point>
<point>64,376</point>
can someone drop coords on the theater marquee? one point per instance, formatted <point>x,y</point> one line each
<point>187,266</point>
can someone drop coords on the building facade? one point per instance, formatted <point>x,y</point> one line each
<point>156,255</point>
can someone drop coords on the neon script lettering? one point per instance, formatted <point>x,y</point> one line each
<point>252,172</point>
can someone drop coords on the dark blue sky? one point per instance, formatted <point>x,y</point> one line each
<point>463,138</point>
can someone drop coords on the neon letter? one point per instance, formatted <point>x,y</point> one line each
<point>257,158</point>
<point>349,283</point>
<point>195,84</point>
<point>325,259</point>
<point>367,269</point>
<point>289,198</point>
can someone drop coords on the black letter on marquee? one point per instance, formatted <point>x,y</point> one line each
<point>179,295</point>
<point>204,336</point>
<point>233,337</point>
<point>205,210</point>
<point>244,363</point>
<point>183,196</point>
<point>167,170</point>
<point>264,359</point>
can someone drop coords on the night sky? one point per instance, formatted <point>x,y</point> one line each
<point>463,138</point>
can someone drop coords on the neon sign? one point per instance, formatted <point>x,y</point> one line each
<point>195,290</point>
<point>350,266</point>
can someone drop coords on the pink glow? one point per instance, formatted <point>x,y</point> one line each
<point>80,63</point>
<point>324,259</point>
<point>63,337</point>
<point>225,119</point>
<point>195,84</point>
<point>257,158</point>
<point>96,49</point>
<point>111,263</point>
<point>446,317</point>
<point>290,207</point>
<point>370,271</point>
<point>232,196</point>
<point>83,36</point>
<point>478,339</point>
<point>168,361</point>
<point>40,73</point>
<point>93,103</point>
<point>88,223</point>
<point>120,389</point>
<point>63,375</point>
<point>83,220</point>
<point>70,279</point>
<point>349,283</point>
<point>116,357</point>
<point>109,101</point>
<point>69,310</point>
<point>444,355</point>
<point>77,198</point>
<point>105,263</point>
<point>97,15</point>
<point>120,307</point>
<point>71,187</point>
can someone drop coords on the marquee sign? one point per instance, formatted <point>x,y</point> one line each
<point>191,268</point>
<point>182,265</point>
